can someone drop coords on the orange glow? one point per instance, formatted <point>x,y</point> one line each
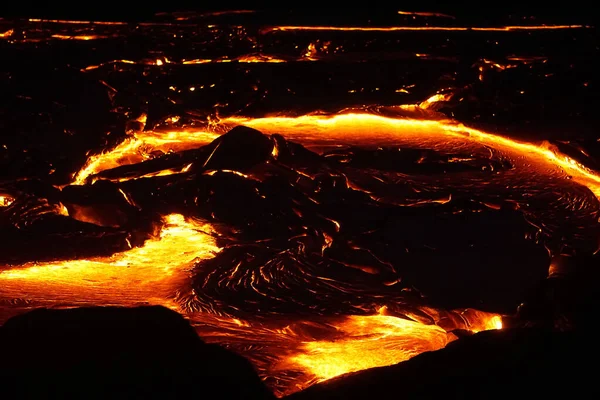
<point>334,346</point>
<point>227,12</point>
<point>139,147</point>
<point>340,128</point>
<point>528,59</point>
<point>359,127</point>
<point>158,271</point>
<point>293,350</point>
<point>494,323</point>
<point>248,58</point>
<point>434,99</point>
<point>527,28</point>
<point>467,319</point>
<point>91,67</point>
<point>79,37</point>
<point>362,342</point>
<point>259,58</point>
<point>425,14</point>
<point>75,22</point>
<point>5,200</point>
<point>311,52</point>
<point>197,61</point>
<point>368,342</point>
<point>149,274</point>
<point>478,321</point>
<point>420,28</point>
<point>7,34</point>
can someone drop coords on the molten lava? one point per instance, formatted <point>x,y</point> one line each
<point>420,28</point>
<point>372,341</point>
<point>324,130</point>
<point>139,147</point>
<point>306,242</point>
<point>158,271</point>
<point>153,273</point>
<point>362,128</point>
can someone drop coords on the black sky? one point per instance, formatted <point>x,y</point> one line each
<point>130,11</point>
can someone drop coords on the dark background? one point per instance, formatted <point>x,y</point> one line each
<point>471,11</point>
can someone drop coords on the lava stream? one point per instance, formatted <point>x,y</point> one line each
<point>510,28</point>
<point>327,130</point>
<point>158,272</point>
<point>155,273</point>
<point>151,274</point>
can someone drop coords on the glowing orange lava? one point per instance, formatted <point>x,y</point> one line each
<point>297,351</point>
<point>140,146</point>
<point>158,272</point>
<point>75,22</point>
<point>367,342</point>
<point>259,58</point>
<point>349,344</point>
<point>7,34</point>
<point>5,200</point>
<point>361,127</point>
<point>345,128</point>
<point>150,274</point>
<point>227,12</point>
<point>420,28</point>
<point>248,58</point>
<point>425,14</point>
<point>79,37</point>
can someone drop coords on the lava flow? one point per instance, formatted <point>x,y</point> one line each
<point>174,267</point>
<point>182,163</point>
<point>319,131</point>
<point>421,28</point>
<point>150,274</point>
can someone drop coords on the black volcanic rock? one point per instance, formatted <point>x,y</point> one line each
<point>568,298</point>
<point>519,363</point>
<point>52,114</point>
<point>33,229</point>
<point>102,203</point>
<point>117,353</point>
<point>57,237</point>
<point>239,149</point>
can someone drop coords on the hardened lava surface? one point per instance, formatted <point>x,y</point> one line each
<point>320,198</point>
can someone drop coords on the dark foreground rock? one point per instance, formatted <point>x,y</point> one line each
<point>117,353</point>
<point>523,363</point>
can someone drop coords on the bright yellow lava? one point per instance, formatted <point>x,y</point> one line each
<point>248,58</point>
<point>154,272</point>
<point>493,323</point>
<point>421,28</point>
<point>151,273</point>
<point>425,14</point>
<point>7,34</point>
<point>5,201</point>
<point>79,37</point>
<point>349,128</point>
<point>139,147</point>
<point>368,342</point>
<point>363,342</point>
<point>364,128</point>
